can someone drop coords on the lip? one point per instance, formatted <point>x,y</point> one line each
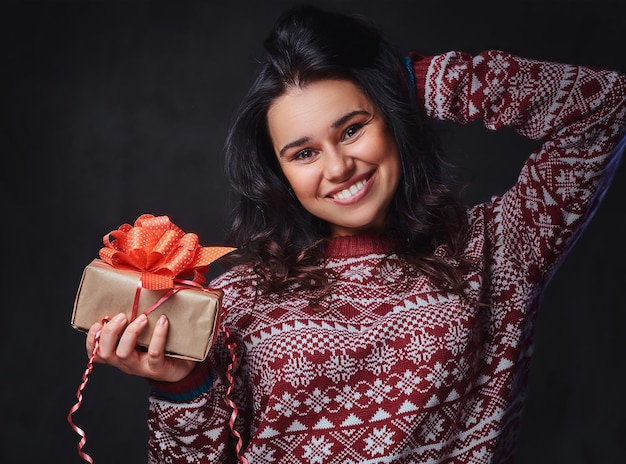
<point>367,178</point>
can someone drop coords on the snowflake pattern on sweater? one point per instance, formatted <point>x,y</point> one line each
<point>397,370</point>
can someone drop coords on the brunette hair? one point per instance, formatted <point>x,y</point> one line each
<point>283,242</point>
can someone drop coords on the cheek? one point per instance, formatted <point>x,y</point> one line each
<point>380,148</point>
<point>390,159</point>
<point>303,181</point>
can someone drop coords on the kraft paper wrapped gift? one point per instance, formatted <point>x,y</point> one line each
<point>141,265</point>
<point>192,313</point>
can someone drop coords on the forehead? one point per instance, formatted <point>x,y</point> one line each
<point>315,105</point>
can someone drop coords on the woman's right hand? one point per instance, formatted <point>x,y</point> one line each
<point>118,348</point>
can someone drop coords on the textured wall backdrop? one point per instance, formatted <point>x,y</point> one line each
<point>114,109</point>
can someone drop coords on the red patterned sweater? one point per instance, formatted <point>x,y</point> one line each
<point>398,370</point>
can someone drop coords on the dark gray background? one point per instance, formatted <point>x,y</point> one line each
<point>114,109</point>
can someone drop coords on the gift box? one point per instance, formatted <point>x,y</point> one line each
<point>156,268</point>
<point>105,291</point>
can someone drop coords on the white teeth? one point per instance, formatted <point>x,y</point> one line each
<point>347,193</point>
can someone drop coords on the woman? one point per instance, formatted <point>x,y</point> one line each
<point>371,317</point>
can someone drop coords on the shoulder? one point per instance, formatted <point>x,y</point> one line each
<point>241,275</point>
<point>238,286</point>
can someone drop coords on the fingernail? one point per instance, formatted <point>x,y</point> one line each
<point>120,317</point>
<point>162,319</point>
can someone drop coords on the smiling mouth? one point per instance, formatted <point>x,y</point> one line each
<point>351,191</point>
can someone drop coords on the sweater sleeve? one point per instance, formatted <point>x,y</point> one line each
<point>188,421</point>
<point>578,114</point>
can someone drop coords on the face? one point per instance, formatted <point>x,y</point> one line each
<point>337,154</point>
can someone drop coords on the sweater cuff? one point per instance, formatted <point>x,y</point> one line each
<point>420,69</point>
<point>197,382</point>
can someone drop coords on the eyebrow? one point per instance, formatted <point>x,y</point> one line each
<point>295,143</point>
<point>338,123</point>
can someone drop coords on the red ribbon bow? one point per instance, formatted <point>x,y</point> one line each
<point>160,250</point>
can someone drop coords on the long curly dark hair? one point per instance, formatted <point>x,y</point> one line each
<point>282,241</point>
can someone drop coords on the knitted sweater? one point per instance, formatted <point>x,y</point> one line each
<point>396,369</point>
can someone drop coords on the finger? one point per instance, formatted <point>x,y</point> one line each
<point>90,340</point>
<point>110,336</point>
<point>156,348</point>
<point>128,341</point>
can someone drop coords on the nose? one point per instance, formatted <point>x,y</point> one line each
<point>338,166</point>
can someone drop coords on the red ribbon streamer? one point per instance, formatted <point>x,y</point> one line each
<point>79,396</point>
<point>231,345</point>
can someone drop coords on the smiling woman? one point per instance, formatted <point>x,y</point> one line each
<point>337,154</point>
<point>369,315</point>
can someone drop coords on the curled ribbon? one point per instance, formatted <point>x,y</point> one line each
<point>79,397</point>
<point>232,345</point>
<point>163,253</point>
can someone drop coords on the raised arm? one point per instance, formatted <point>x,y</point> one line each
<point>578,113</point>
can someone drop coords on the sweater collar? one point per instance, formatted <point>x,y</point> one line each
<point>357,245</point>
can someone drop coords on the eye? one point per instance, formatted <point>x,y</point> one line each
<point>352,130</point>
<point>303,154</point>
